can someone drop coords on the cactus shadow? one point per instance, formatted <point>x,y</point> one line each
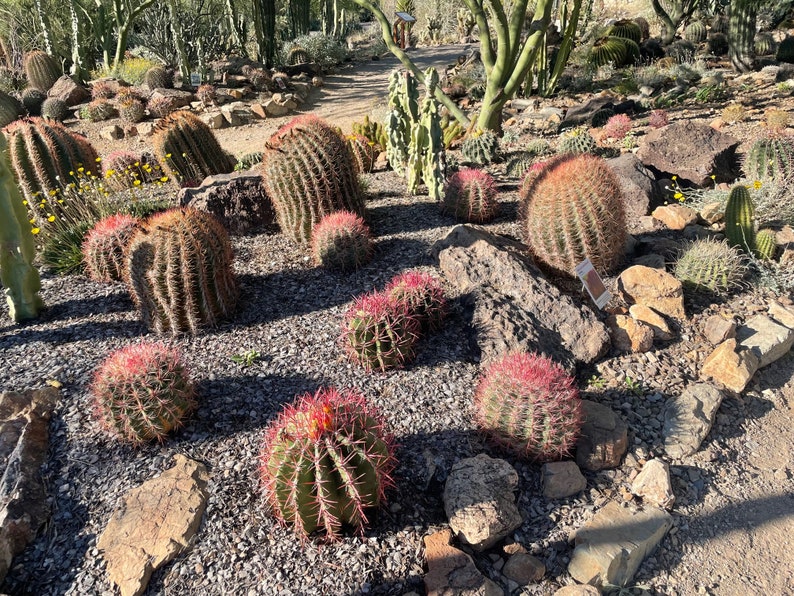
<point>400,218</point>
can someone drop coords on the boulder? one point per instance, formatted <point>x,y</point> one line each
<point>651,318</point>
<point>654,288</point>
<point>629,335</point>
<point>24,440</point>
<point>653,485</point>
<point>273,109</point>
<point>637,183</point>
<point>688,419</point>
<point>603,440</point>
<point>717,329</point>
<point>692,151</point>
<point>583,112</point>
<point>237,199</point>
<point>524,569</point>
<point>765,338</point>
<point>730,366</point>
<point>179,98</point>
<point>561,479</point>
<point>675,216</point>
<point>154,523</point>
<point>479,501</point>
<point>68,91</point>
<point>511,304</point>
<point>451,572</point>
<point>214,120</point>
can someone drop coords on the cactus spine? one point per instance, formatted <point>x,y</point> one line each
<point>188,149</point>
<point>342,242</point>
<point>20,279</point>
<point>104,246</point>
<point>309,173</point>
<point>180,272</point>
<point>574,210</point>
<point>42,70</point>
<point>708,265</point>
<point>426,151</point>
<point>422,294</point>
<point>739,212</point>
<point>326,459</point>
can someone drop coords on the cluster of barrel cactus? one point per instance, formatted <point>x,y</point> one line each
<point>770,158</point>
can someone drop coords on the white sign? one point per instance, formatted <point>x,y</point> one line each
<point>592,283</point>
<point>195,79</point>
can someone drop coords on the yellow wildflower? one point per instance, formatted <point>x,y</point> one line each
<point>51,218</point>
<point>35,231</point>
<point>757,184</point>
<point>137,182</point>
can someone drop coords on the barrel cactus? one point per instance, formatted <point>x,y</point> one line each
<point>471,196</point>
<point>785,50</point>
<point>309,173</point>
<point>104,247</point>
<point>180,271</point>
<point>143,392</point>
<point>124,169</point>
<point>766,244</point>
<point>764,44</point>
<point>577,141</point>
<point>770,158</point>
<point>188,149</point>
<point>480,148</point>
<point>626,29</point>
<point>363,152</point>
<point>710,266</point>
<point>297,55</point>
<point>158,77</point>
<point>325,461</point>
<point>54,108</point>
<point>131,110</point>
<point>33,99</point>
<point>618,126</point>
<point>574,210</point>
<point>341,241</point>
<point>99,110</point>
<point>530,405</point>
<point>42,70</point>
<point>609,50</point>
<point>739,214</point>
<point>696,32</point>
<point>379,332</point>
<point>718,44</point>
<point>422,294</point>
<point>10,109</point>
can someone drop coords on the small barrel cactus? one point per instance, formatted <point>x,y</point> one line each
<point>423,295</point>
<point>363,151</point>
<point>326,459</point>
<point>530,405</point>
<point>161,106</point>
<point>10,109</point>
<point>341,241</point>
<point>764,44</point>
<point>99,110</point>
<point>770,158</point>
<point>102,90</point>
<point>626,29</point>
<point>180,271</point>
<point>42,70</point>
<point>739,214</point>
<point>709,265</point>
<point>54,108</point>
<point>518,164</point>
<point>480,148</point>
<point>207,94</point>
<point>577,142</point>
<point>718,44</point>
<point>696,32</point>
<point>33,99</point>
<point>124,169</point>
<point>471,196</point>
<point>104,247</point>
<point>785,50</point>
<point>618,126</point>
<point>379,332</point>
<point>766,244</point>
<point>158,77</point>
<point>609,50</point>
<point>131,110</point>
<point>574,210</point>
<point>143,391</point>
<point>658,119</point>
<point>297,55</point>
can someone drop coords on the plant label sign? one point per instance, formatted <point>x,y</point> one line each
<point>592,283</point>
<point>195,79</point>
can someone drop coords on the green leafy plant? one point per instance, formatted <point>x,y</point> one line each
<point>633,385</point>
<point>246,358</point>
<point>596,382</point>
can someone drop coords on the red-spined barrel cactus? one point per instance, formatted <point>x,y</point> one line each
<point>574,210</point>
<point>471,196</point>
<point>422,293</point>
<point>180,271</point>
<point>104,247</point>
<point>341,242</point>
<point>363,152</point>
<point>617,126</point>
<point>530,405</point>
<point>143,391</point>
<point>326,459</point>
<point>309,172</point>
<point>379,332</point>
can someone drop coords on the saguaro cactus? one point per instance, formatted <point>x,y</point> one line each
<point>19,277</point>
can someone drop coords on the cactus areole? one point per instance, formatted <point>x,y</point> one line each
<point>325,460</point>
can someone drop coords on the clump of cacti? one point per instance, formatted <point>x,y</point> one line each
<point>180,271</point>
<point>99,110</point>
<point>574,210</point>
<point>131,110</point>
<point>207,94</point>
<point>739,214</point>
<point>770,158</point>
<point>103,90</point>
<point>341,241</point>
<point>325,461</point>
<point>123,168</point>
<point>379,333</point>
<point>658,119</point>
<point>709,265</point>
<point>10,109</point>
<point>363,151</point>
<point>480,148</point>
<point>618,126</point>
<point>42,70</point>
<point>158,77</point>
<point>309,173</point>
<point>696,32</point>
<point>530,405</point>
<point>626,29</point>
<point>143,392</point>
<point>403,112</point>
<point>188,149</point>
<point>54,108</point>
<point>375,132</point>
<point>577,141</point>
<point>104,247</point>
<point>470,196</point>
<point>161,106</point>
<point>423,295</point>
<point>452,130</point>
<point>766,244</point>
<point>33,99</point>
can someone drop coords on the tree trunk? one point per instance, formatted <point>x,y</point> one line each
<point>741,34</point>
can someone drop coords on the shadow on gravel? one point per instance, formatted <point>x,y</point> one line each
<point>409,217</point>
<point>77,332</point>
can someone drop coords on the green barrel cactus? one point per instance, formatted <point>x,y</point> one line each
<point>309,173</point>
<point>574,210</point>
<point>626,29</point>
<point>54,108</point>
<point>696,32</point>
<point>609,50</point>
<point>481,148</point>
<point>577,141</point>
<point>710,266</point>
<point>325,461</point>
<point>42,70</point>
<point>739,213</point>
<point>180,271</point>
<point>770,158</point>
<point>766,244</point>
<point>297,55</point>
<point>158,77</point>
<point>785,50</point>
<point>33,99</point>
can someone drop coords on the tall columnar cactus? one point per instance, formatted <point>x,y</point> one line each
<point>105,245</point>
<point>326,459</point>
<point>342,242</point>
<point>180,271</point>
<point>379,332</point>
<point>574,210</point>
<point>142,392</point>
<point>45,156</point>
<point>422,294</point>
<point>309,173</point>
<point>770,158</point>
<point>741,34</point>
<point>403,112</point>
<point>529,404</point>
<point>42,70</point>
<point>426,150</point>
<point>739,213</point>
<point>10,109</point>
<point>188,148</point>
<point>471,196</point>
<point>712,266</point>
<point>20,279</point>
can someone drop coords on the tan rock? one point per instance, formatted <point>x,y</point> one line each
<point>766,338</point>
<point>654,288</point>
<point>214,120</point>
<point>783,315</point>
<point>629,335</point>
<point>451,572</point>
<point>578,590</point>
<point>111,133</point>
<point>651,318</point>
<point>688,418</point>
<point>653,484</point>
<point>717,329</point>
<point>675,216</point>
<point>561,479</point>
<point>524,569</point>
<point>258,110</point>
<point>273,109</point>
<point>712,213</point>
<point>731,368</point>
<point>154,523</point>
